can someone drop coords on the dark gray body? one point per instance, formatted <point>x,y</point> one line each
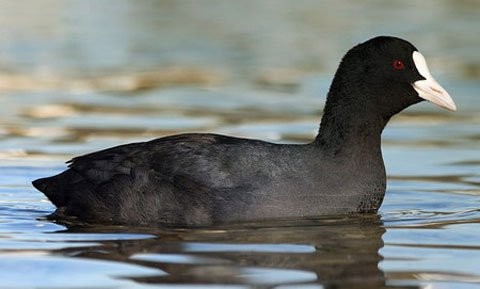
<point>200,179</point>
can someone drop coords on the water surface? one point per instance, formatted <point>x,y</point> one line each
<point>84,75</point>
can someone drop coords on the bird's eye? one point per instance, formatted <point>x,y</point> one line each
<point>398,64</point>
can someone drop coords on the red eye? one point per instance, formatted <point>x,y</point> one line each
<point>398,64</point>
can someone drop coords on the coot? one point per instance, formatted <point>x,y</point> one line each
<point>203,179</point>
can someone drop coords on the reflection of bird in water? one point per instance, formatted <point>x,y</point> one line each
<point>334,252</point>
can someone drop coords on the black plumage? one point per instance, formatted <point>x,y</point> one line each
<point>202,179</point>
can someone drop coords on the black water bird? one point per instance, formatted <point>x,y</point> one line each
<point>203,179</point>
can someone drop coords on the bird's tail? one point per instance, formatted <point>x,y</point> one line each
<point>56,187</point>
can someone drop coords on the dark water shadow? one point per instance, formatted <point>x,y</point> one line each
<point>331,252</point>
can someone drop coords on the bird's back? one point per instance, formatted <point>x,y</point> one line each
<point>182,179</point>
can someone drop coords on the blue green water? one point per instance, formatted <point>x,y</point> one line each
<point>78,76</point>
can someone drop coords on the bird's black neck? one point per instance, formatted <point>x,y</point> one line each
<point>350,125</point>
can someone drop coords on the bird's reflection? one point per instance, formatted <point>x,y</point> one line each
<point>339,252</point>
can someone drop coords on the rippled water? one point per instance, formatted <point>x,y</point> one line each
<point>78,76</point>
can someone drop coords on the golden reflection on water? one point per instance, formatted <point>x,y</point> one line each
<point>122,82</point>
